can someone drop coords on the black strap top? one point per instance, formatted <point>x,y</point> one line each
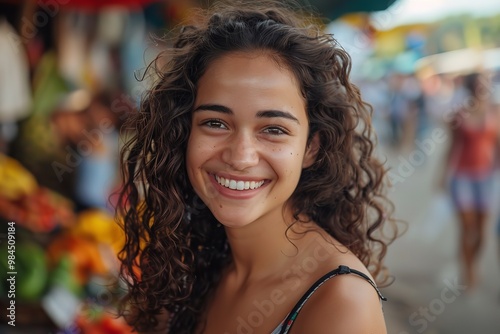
<point>341,270</point>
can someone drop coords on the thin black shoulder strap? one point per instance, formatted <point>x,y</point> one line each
<point>341,270</point>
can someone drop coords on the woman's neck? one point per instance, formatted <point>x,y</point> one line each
<point>261,249</point>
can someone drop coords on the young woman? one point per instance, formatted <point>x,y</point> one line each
<point>253,201</point>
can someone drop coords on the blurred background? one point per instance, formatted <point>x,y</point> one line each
<point>69,76</point>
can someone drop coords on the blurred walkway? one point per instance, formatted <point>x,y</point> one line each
<point>426,296</point>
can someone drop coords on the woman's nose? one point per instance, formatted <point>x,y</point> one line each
<point>241,152</point>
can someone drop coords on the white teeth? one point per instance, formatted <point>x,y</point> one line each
<point>238,185</point>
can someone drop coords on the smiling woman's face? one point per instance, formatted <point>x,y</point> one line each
<point>247,145</point>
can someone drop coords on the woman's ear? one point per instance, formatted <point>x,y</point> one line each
<point>311,151</point>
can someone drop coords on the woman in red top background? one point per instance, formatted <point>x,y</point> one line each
<point>475,132</point>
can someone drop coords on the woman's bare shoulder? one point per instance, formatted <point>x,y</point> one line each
<point>344,304</point>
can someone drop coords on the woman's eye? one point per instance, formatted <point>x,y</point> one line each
<point>215,124</point>
<point>275,131</point>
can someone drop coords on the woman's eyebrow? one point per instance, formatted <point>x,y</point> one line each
<point>260,114</point>
<point>277,113</point>
<point>214,107</point>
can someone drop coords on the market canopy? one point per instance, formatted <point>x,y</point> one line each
<point>407,12</point>
<point>333,9</point>
<point>95,5</point>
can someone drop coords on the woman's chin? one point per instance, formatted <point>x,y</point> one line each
<point>233,220</point>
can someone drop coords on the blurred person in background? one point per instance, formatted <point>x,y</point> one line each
<point>470,167</point>
<point>495,88</point>
<point>89,136</point>
<point>252,152</point>
<point>375,91</point>
<point>405,107</point>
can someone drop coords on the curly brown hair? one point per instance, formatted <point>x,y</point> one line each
<point>175,249</point>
